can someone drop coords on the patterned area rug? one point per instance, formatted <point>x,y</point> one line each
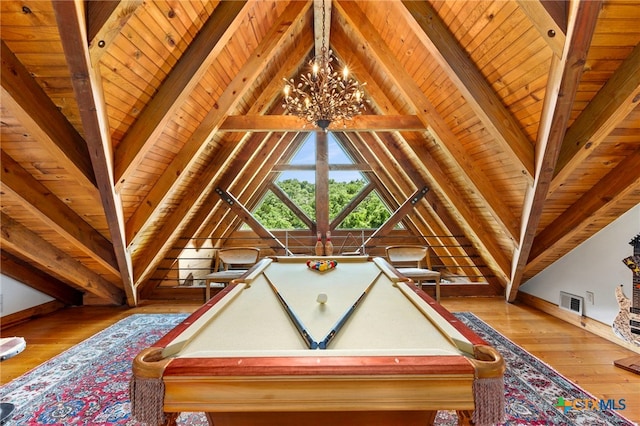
<point>88,384</point>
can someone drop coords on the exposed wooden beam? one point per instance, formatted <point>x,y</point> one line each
<point>165,237</point>
<point>200,218</point>
<point>428,168</point>
<point>252,182</point>
<point>397,215</point>
<point>387,164</point>
<point>391,180</point>
<point>19,240</point>
<point>37,199</point>
<point>237,178</point>
<point>282,196</point>
<point>611,105</point>
<point>465,75</point>
<point>271,145</point>
<point>376,98</point>
<point>388,168</point>
<point>254,185</point>
<point>25,273</point>
<point>451,193</point>
<point>563,84</point>
<point>360,167</point>
<point>371,43</point>
<point>558,10</point>
<point>211,212</point>
<point>87,87</point>
<point>290,123</point>
<point>270,98</point>
<point>175,224</point>
<point>26,100</point>
<point>99,12</point>
<point>360,196</point>
<point>397,179</point>
<point>248,218</point>
<point>322,183</point>
<point>387,177</point>
<point>491,255</point>
<point>583,212</point>
<point>256,178</point>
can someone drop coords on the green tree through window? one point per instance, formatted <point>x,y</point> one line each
<point>299,186</point>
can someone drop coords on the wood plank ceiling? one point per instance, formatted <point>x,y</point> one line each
<point>121,119</point>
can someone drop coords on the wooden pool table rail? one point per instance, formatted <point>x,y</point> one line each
<point>243,384</point>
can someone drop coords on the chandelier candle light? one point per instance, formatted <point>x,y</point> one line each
<point>323,95</point>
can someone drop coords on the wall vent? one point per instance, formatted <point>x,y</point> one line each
<point>571,302</point>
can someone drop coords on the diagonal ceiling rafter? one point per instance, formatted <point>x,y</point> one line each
<point>19,240</point>
<point>39,115</point>
<point>615,185</point>
<point>251,191</point>
<point>288,24</point>
<point>58,215</point>
<point>447,52</point>
<point>263,104</point>
<point>88,89</point>
<point>613,103</point>
<point>563,85</point>
<point>391,183</point>
<point>371,43</point>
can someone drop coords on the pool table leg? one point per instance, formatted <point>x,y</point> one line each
<point>170,419</point>
<point>207,291</point>
<point>464,417</point>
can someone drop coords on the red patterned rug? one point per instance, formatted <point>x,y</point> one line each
<point>89,383</point>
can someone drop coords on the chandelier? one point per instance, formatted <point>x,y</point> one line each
<point>323,95</point>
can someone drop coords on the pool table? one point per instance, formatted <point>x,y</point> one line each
<point>287,344</point>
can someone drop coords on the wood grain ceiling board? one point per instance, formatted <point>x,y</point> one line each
<point>31,32</point>
<point>42,168</point>
<point>14,207</point>
<point>626,201</point>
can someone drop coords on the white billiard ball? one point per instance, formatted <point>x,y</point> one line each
<point>322,298</point>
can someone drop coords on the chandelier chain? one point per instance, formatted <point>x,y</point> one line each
<point>324,30</point>
<point>322,95</point>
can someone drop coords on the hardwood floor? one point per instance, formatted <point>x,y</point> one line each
<point>582,357</point>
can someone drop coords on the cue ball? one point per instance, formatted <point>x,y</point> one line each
<point>322,298</point>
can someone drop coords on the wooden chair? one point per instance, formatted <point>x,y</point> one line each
<point>408,261</point>
<point>235,262</point>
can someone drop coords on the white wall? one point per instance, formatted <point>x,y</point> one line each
<point>596,266</point>
<point>17,297</point>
